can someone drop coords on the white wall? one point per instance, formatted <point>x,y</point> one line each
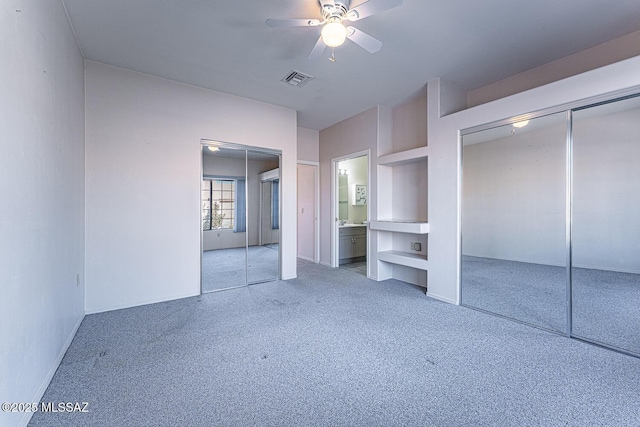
<point>232,167</point>
<point>444,155</point>
<point>409,123</point>
<point>589,59</point>
<point>42,187</point>
<point>143,179</point>
<point>350,136</point>
<point>308,145</point>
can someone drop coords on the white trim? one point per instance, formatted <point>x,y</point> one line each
<point>325,264</point>
<point>96,310</point>
<point>306,259</point>
<point>54,367</point>
<point>271,175</point>
<point>441,298</point>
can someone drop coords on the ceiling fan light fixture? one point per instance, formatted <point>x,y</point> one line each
<point>521,124</point>
<point>334,34</point>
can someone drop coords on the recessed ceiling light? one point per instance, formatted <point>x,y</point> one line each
<point>521,124</point>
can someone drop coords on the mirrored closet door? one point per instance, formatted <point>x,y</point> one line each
<point>557,253</point>
<point>513,221</point>
<point>264,249</point>
<point>232,251</point>
<point>606,224</point>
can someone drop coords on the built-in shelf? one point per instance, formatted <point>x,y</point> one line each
<point>406,156</point>
<point>413,227</point>
<point>404,258</point>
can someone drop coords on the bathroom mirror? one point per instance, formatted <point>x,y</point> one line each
<point>343,195</point>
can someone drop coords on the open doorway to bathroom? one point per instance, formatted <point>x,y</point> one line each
<point>351,204</point>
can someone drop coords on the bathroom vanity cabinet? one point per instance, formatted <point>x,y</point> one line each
<point>353,243</point>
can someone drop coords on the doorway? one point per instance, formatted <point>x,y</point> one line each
<point>234,250</point>
<point>351,212</point>
<point>308,205</point>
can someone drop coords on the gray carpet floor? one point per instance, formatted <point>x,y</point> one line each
<point>358,267</point>
<point>333,348</point>
<point>606,304</point>
<point>225,268</point>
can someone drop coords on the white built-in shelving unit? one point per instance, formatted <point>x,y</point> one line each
<point>404,258</point>
<point>401,211</point>
<point>403,157</point>
<point>414,227</point>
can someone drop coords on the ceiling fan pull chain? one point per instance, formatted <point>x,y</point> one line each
<point>332,58</point>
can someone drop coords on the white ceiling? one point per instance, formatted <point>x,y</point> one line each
<point>226,46</point>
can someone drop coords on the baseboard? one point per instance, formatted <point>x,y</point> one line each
<point>563,265</point>
<point>306,258</point>
<point>441,298</point>
<point>525,261</point>
<point>52,371</point>
<point>95,310</point>
<point>325,264</point>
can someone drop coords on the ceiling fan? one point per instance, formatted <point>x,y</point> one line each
<point>334,32</point>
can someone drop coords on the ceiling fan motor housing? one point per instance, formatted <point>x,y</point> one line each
<point>334,9</point>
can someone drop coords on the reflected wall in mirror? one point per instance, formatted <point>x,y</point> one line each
<point>232,240</point>
<point>343,195</point>
<point>514,221</point>
<point>606,224</point>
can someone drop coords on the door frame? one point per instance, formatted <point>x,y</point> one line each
<point>335,253</point>
<point>316,213</point>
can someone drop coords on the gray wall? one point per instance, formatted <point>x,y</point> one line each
<point>42,187</point>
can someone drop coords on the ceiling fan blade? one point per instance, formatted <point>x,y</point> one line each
<point>318,49</point>
<point>367,42</point>
<point>292,22</point>
<point>371,7</point>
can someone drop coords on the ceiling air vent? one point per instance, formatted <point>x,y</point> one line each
<point>296,78</point>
